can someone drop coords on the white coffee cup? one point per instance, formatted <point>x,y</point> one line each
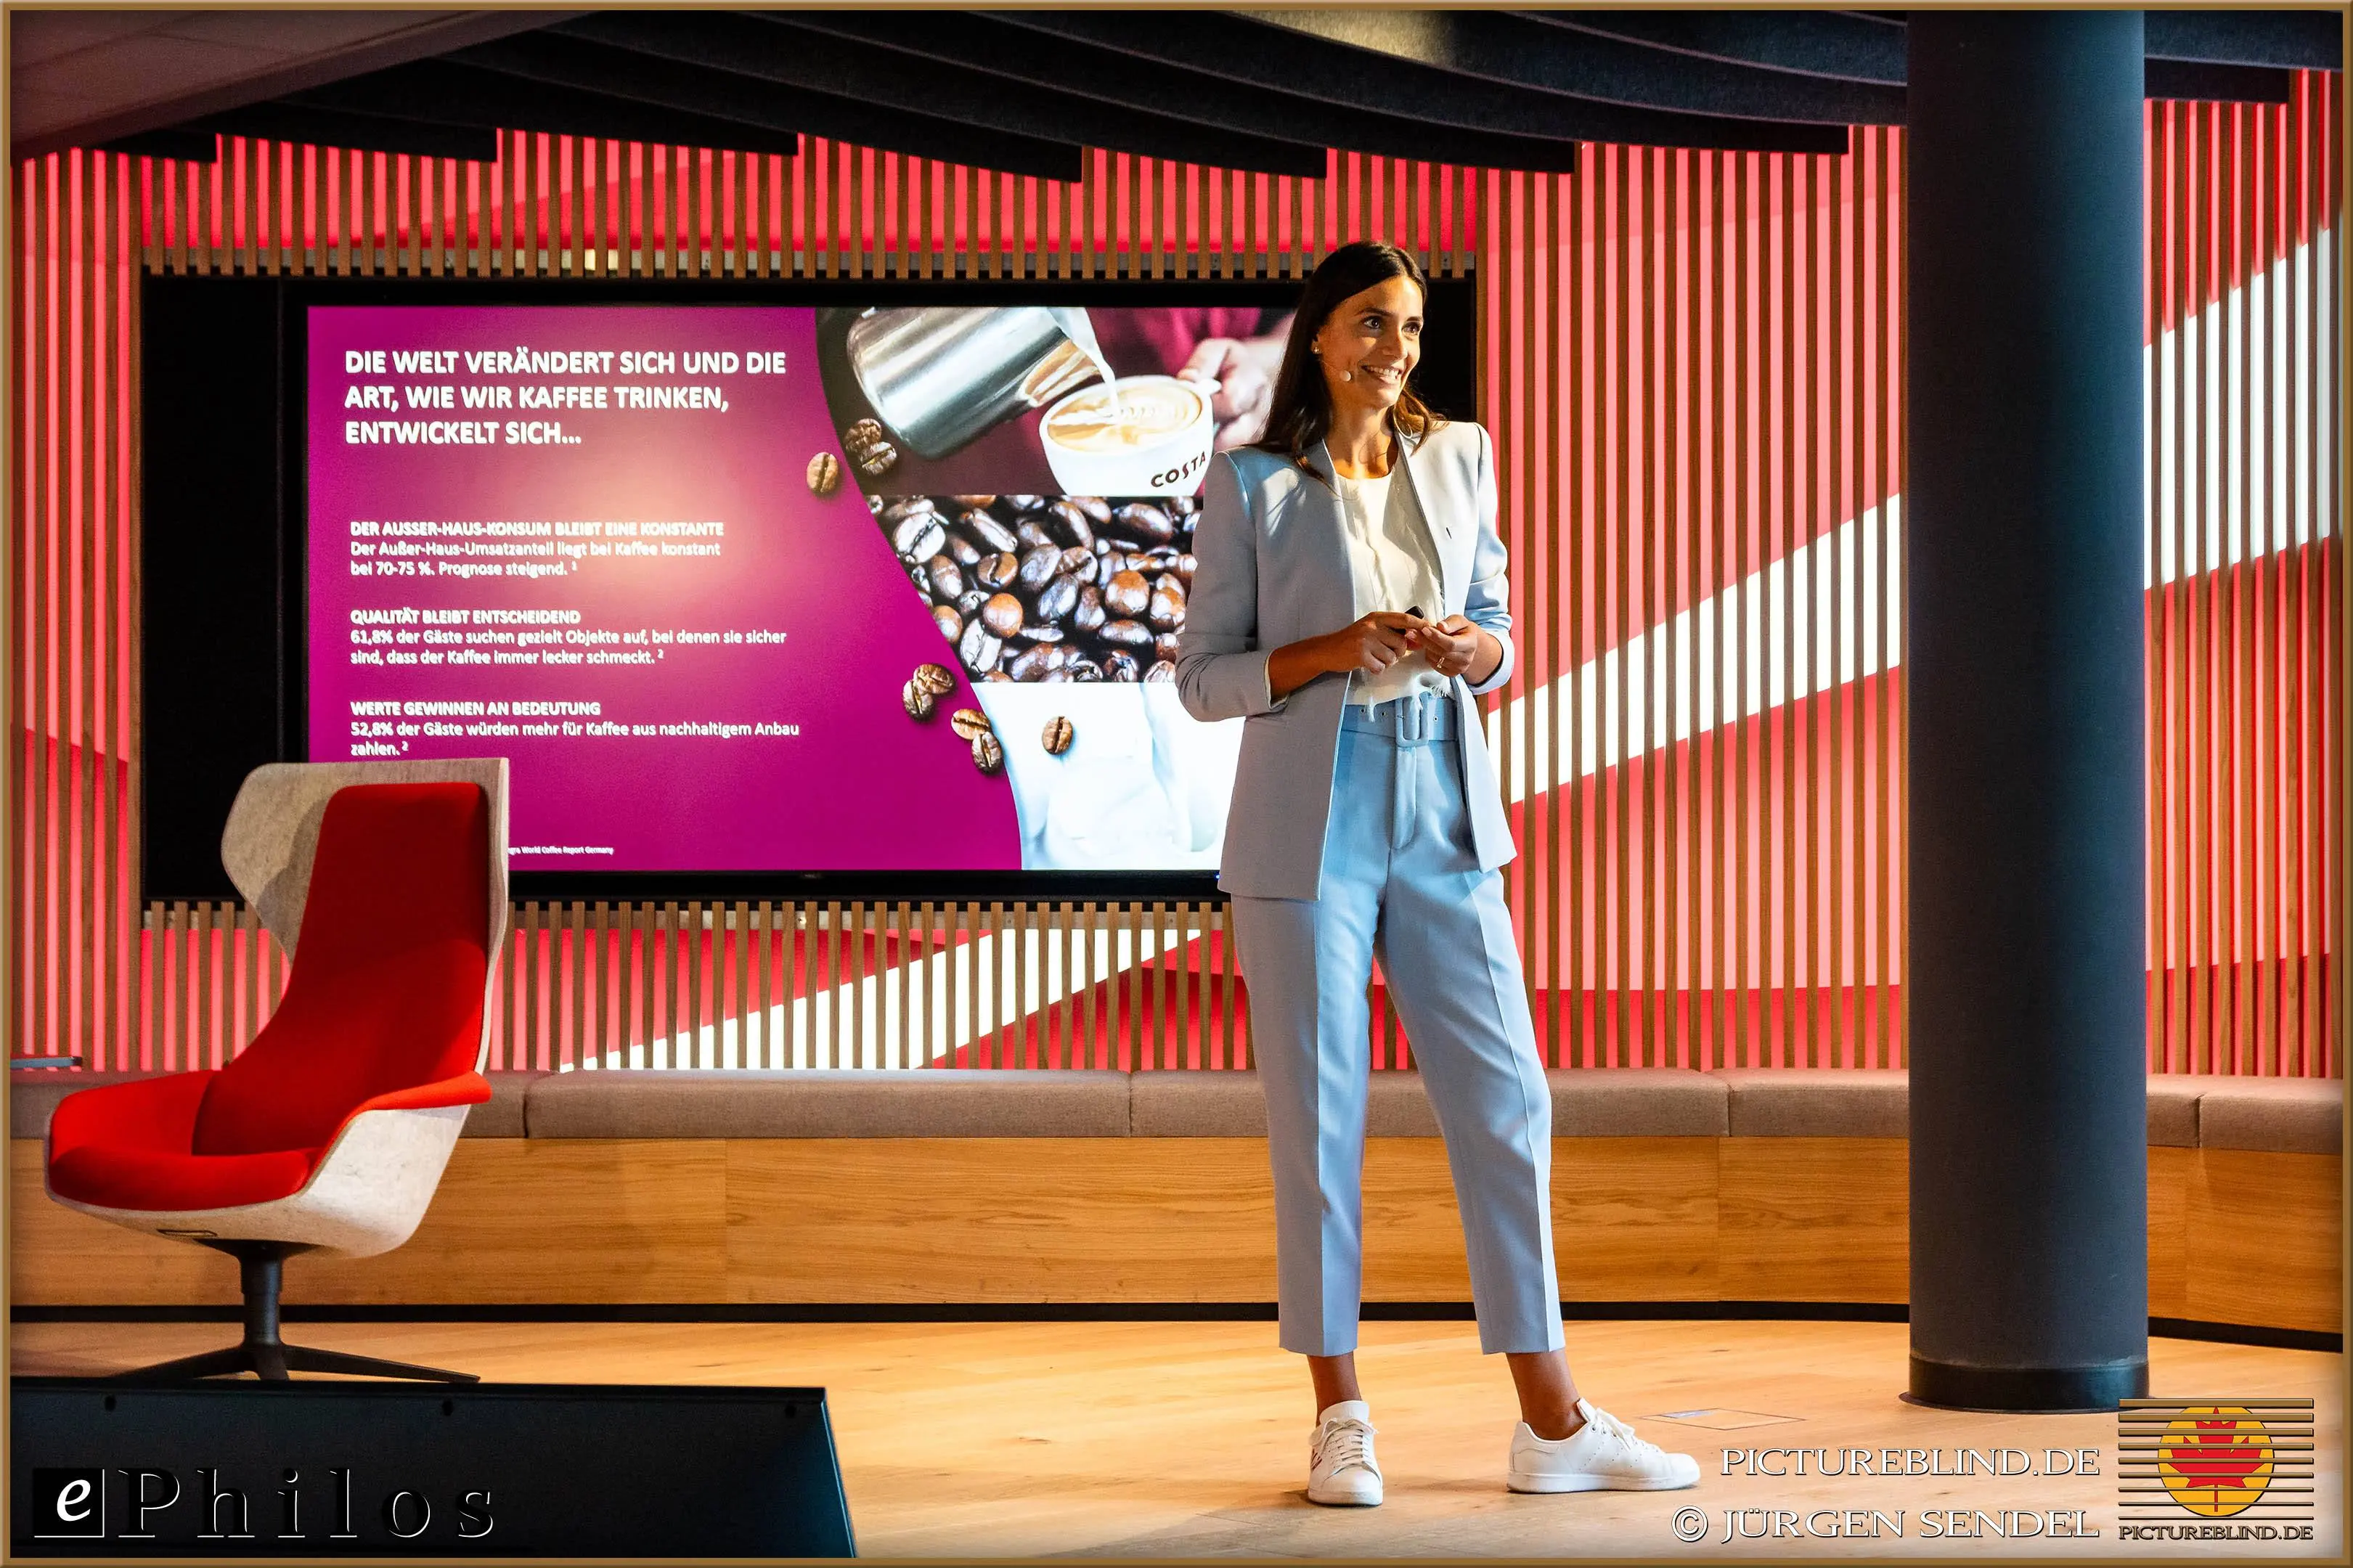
<point>1140,436</point>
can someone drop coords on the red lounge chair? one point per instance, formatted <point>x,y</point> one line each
<point>330,1131</point>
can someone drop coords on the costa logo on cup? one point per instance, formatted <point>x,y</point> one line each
<point>1139,435</point>
<point>1172,481</point>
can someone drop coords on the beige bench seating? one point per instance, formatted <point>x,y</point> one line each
<point>960,1187</point>
<point>2303,1116</point>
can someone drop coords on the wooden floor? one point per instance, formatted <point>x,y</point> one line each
<point>1189,1439</point>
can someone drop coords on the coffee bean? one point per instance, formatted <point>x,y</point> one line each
<point>824,474</point>
<point>874,505</point>
<point>1002,614</point>
<point>1121,667</point>
<point>1167,604</point>
<point>1038,568</point>
<point>1071,525</point>
<point>950,625</point>
<point>1032,535</point>
<point>1024,503</point>
<point>874,459</point>
<point>919,536</point>
<point>1142,520</point>
<point>964,550</point>
<point>999,570</point>
<point>918,577</point>
<point>1057,599</point>
<point>1165,647</point>
<point>869,448</point>
<point>934,678</point>
<point>969,602</point>
<point>1098,509</point>
<point>970,722</point>
<point>987,754</point>
<point>1126,595</point>
<point>1162,671</point>
<point>947,582</point>
<point>1035,663</point>
<point>920,702</point>
<point>988,533</point>
<point>1042,633</point>
<point>1126,634</point>
<point>1088,616</point>
<point>979,648</point>
<point>1057,735</point>
<point>995,675</point>
<point>1186,564</point>
<point>971,501</point>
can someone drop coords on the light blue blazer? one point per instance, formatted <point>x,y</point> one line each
<point>1272,547</point>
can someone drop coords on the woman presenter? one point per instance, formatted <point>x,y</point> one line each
<point>1350,603</point>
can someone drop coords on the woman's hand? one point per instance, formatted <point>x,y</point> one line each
<point>1456,646</point>
<point>1370,644</point>
<point>1449,645</point>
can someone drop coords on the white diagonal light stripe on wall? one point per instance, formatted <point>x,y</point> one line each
<point>2256,472</point>
<point>1804,624</point>
<point>1819,606</point>
<point>861,1018</point>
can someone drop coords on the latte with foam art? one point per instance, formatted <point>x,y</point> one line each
<point>1124,416</point>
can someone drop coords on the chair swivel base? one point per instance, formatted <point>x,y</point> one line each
<point>275,1361</point>
<point>262,1273</point>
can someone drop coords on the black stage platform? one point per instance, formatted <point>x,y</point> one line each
<point>240,1469</point>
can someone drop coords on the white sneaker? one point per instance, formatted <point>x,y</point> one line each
<point>1603,1455</point>
<point>1341,1469</point>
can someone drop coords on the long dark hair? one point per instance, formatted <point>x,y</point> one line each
<point>1301,412</point>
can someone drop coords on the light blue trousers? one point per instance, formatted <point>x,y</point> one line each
<point>1400,881</point>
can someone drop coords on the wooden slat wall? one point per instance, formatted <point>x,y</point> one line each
<point>2246,622</point>
<point>1692,366</point>
<point>1705,464</point>
<point>819,984</point>
<point>1693,369</point>
<point>73,605</point>
<point>565,206</point>
<point>763,985</point>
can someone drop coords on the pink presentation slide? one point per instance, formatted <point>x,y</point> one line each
<point>744,589</point>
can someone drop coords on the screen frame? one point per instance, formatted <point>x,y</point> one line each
<point>1454,300</point>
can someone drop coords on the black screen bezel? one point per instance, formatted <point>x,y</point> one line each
<point>180,871</point>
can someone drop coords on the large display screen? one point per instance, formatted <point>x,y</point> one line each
<point>746,588</point>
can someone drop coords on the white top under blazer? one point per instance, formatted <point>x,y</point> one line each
<point>1395,567</point>
<point>1273,549</point>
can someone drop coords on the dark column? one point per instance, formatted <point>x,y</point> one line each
<point>2030,1237</point>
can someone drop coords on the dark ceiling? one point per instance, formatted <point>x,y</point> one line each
<point>1263,90</point>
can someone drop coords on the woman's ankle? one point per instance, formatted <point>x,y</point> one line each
<point>1555,1424</point>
